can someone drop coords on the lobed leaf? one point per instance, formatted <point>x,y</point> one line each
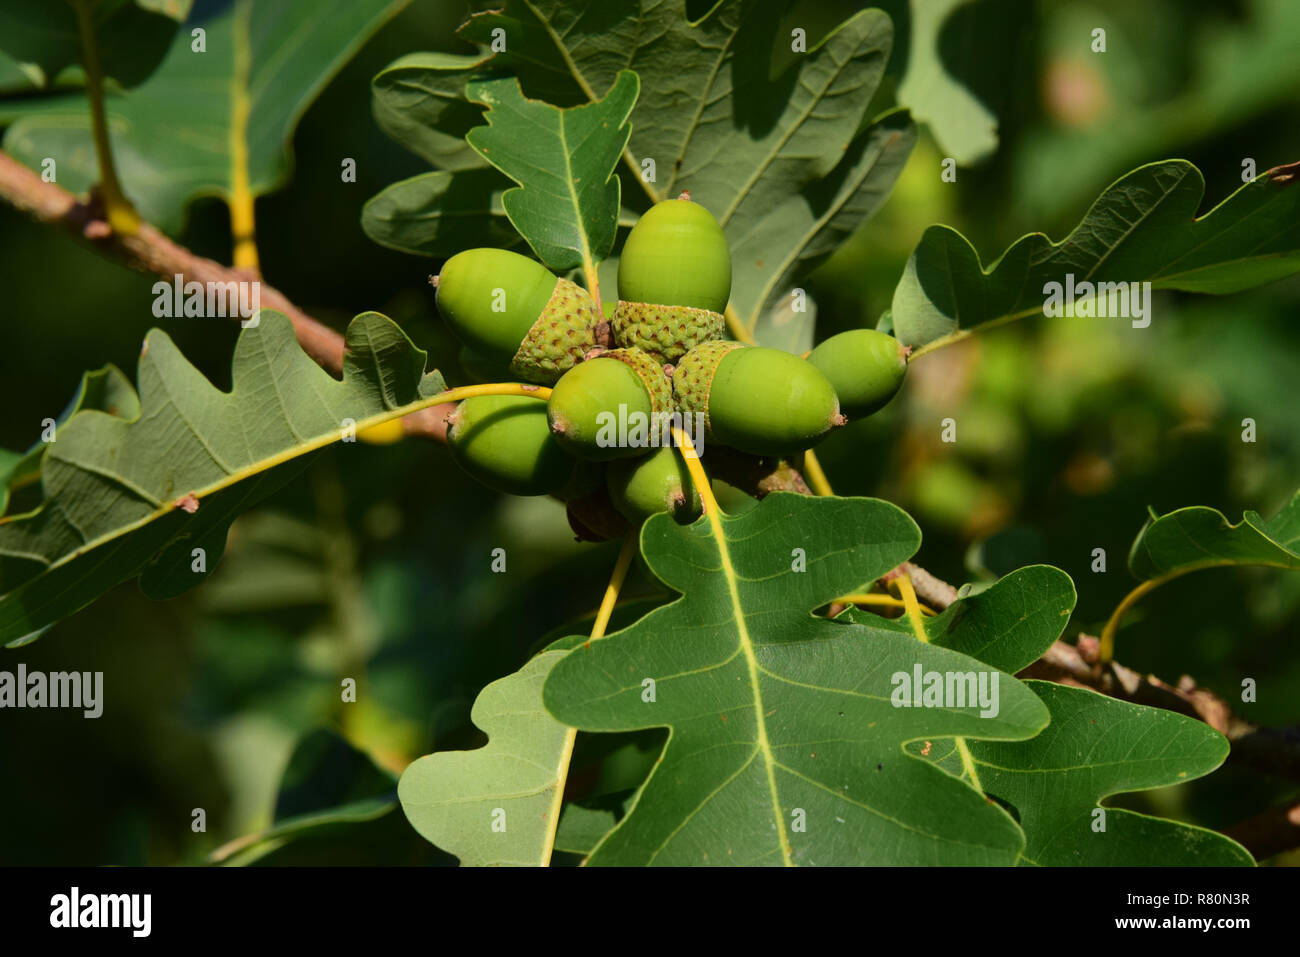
<point>328,783</point>
<point>1007,625</point>
<point>963,127</point>
<point>567,202</point>
<point>43,39</point>
<point>787,163</point>
<point>496,805</point>
<point>1095,747</point>
<point>1198,537</point>
<point>126,497</point>
<point>106,390</point>
<point>784,746</point>
<point>206,123</point>
<point>1143,228</point>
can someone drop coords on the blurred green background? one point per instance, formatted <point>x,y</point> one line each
<point>376,564</point>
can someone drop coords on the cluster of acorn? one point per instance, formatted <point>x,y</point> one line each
<point>660,351</point>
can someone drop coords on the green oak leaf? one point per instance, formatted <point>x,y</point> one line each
<point>106,390</point>
<point>567,202</point>
<point>1143,228</point>
<point>964,129</point>
<point>1189,539</point>
<point>1007,625</point>
<point>328,783</point>
<point>784,745</point>
<point>1236,67</point>
<point>42,39</point>
<point>441,213</point>
<point>788,163</point>
<point>1094,747</point>
<point>211,123</point>
<point>419,101</point>
<point>126,497</point>
<point>496,805</point>
<point>582,828</point>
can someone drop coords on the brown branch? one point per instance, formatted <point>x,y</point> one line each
<point>152,252</point>
<point>1273,751</point>
<point>1270,833</point>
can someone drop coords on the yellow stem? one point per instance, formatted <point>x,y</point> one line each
<point>593,286</point>
<point>607,604</point>
<point>962,334</point>
<point>887,600</point>
<point>905,588</point>
<point>1107,645</point>
<point>739,331</point>
<point>812,471</point>
<point>234,478</point>
<point>241,199</point>
<point>912,605</point>
<point>121,215</point>
<point>698,476</point>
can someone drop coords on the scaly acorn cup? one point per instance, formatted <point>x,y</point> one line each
<point>665,333</point>
<point>516,314</point>
<point>505,442</point>
<point>674,280</point>
<point>591,514</point>
<point>659,482</point>
<point>756,400</point>
<point>865,366</point>
<point>608,406</point>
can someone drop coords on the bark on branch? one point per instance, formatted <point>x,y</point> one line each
<point>152,252</point>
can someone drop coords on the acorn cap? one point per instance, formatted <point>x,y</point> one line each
<point>755,399</point>
<point>568,327</point>
<point>665,333</point>
<point>651,373</point>
<point>693,377</point>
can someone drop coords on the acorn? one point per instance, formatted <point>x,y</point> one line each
<point>515,314</point>
<point>505,442</point>
<point>865,366</point>
<point>674,280</point>
<point>756,400</point>
<point>608,406</point>
<point>659,482</point>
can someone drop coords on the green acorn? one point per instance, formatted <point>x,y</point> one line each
<point>756,400</point>
<point>674,280</point>
<point>866,368</point>
<point>515,314</point>
<point>619,394</point>
<point>505,442</point>
<point>659,482</point>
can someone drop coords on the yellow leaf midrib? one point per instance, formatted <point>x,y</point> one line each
<point>751,662</point>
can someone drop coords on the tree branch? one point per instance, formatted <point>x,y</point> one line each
<point>152,252</point>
